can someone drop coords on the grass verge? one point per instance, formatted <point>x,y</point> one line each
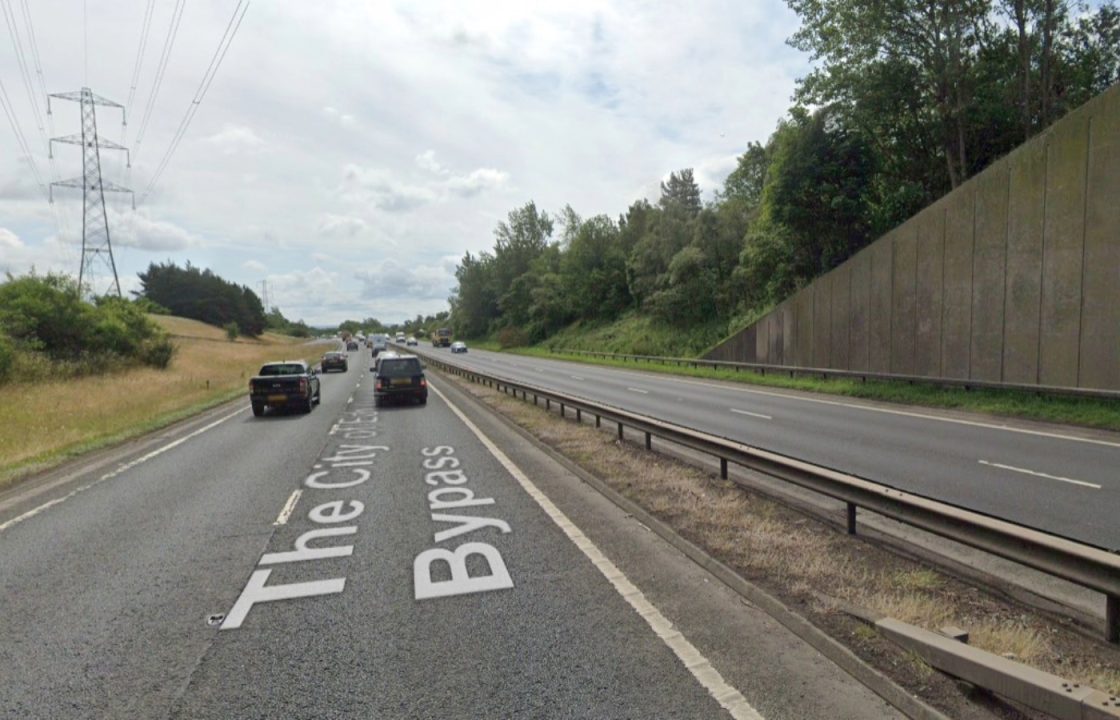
<point>1087,412</point>
<point>816,570</point>
<point>46,423</point>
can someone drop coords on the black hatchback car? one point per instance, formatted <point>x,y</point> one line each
<point>335,360</point>
<point>400,378</point>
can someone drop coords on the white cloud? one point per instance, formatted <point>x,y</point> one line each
<point>9,240</point>
<point>372,186</point>
<point>394,280</point>
<point>320,257</point>
<point>255,266</point>
<point>341,225</point>
<point>344,119</point>
<point>137,230</point>
<point>234,139</point>
<point>427,161</point>
<point>477,181</point>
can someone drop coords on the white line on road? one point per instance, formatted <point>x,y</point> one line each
<point>289,508</point>
<point>110,475</point>
<point>752,414</point>
<point>1040,474</point>
<point>638,390</point>
<point>727,696</point>
<point>576,377</point>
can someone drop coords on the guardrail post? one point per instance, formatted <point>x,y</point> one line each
<point>547,404</point>
<point>723,468</point>
<point>851,518</point>
<point>579,415</point>
<point>534,398</point>
<point>562,410</point>
<point>597,420</point>
<point>649,441</point>
<point>620,431</point>
<point>1112,618</point>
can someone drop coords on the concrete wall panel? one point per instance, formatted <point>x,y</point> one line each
<point>903,302</point>
<point>789,321</point>
<point>1063,247</point>
<point>1100,314</point>
<point>930,229</point>
<point>822,320</point>
<point>956,309</point>
<point>841,316</point>
<point>803,324</point>
<point>989,273</point>
<point>880,309</point>
<point>1025,213</point>
<point>860,269</point>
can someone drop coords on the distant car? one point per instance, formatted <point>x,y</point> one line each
<point>400,337</point>
<point>400,378</point>
<point>379,343</point>
<point>335,360</point>
<point>351,345</point>
<point>411,340</point>
<point>458,346</point>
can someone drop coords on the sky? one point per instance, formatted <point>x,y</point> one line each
<point>349,152</point>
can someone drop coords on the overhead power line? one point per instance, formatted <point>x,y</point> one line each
<point>161,68</point>
<point>21,139</point>
<point>203,87</point>
<point>145,31</point>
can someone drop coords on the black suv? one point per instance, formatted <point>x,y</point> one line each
<point>400,377</point>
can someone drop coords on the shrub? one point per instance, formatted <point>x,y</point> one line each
<point>231,331</point>
<point>512,337</point>
<point>158,352</point>
<point>7,356</point>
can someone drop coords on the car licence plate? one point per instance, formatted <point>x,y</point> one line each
<point>277,398</point>
<point>400,381</point>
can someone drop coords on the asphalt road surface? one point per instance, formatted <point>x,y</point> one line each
<point>1061,480</point>
<point>362,562</point>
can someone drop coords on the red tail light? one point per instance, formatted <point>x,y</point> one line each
<point>423,382</point>
<point>303,385</point>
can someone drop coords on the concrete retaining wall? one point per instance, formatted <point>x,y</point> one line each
<point>1012,277</point>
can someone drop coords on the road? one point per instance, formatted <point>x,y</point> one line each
<point>1057,479</point>
<point>402,562</point>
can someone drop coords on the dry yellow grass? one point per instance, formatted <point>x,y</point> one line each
<point>45,421</point>
<point>769,543</point>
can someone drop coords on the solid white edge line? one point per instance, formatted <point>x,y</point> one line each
<point>727,696</point>
<point>1040,474</point>
<point>109,475</point>
<point>752,414</point>
<point>289,508</point>
<point>638,390</point>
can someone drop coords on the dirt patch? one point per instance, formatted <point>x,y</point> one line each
<point>818,572</point>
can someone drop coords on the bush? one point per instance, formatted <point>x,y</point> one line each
<point>7,356</point>
<point>231,331</point>
<point>512,337</point>
<point>49,330</point>
<point>158,352</point>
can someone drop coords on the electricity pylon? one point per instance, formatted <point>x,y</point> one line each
<point>95,223</point>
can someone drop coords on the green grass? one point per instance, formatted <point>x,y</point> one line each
<point>639,335</point>
<point>1088,412</point>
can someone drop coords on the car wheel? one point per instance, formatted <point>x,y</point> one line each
<point>258,409</point>
<point>424,400</point>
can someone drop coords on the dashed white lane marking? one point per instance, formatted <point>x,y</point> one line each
<point>110,475</point>
<point>289,508</point>
<point>870,408</point>
<point>727,696</point>
<point>752,414</point>
<point>1040,474</point>
<point>638,390</point>
<point>576,377</point>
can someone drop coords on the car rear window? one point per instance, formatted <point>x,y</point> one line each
<point>282,370</point>
<point>400,366</point>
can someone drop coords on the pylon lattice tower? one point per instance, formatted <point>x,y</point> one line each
<point>96,245</point>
